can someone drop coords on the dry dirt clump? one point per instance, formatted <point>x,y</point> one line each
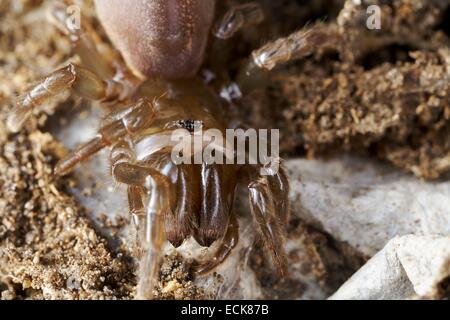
<point>176,281</point>
<point>386,92</point>
<point>401,112</point>
<point>47,245</point>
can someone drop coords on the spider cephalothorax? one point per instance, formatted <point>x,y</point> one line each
<point>163,43</point>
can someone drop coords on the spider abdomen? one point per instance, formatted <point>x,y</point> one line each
<point>159,38</point>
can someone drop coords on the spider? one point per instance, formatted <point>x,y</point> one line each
<point>153,93</point>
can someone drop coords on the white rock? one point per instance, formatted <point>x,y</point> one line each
<point>408,267</point>
<point>365,203</point>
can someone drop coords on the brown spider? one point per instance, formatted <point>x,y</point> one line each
<point>163,43</point>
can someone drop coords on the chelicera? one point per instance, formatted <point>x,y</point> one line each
<point>163,44</point>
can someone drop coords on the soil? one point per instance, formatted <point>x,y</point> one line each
<point>48,246</point>
<point>387,97</point>
<point>385,93</point>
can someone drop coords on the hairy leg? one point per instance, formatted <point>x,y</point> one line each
<point>298,45</point>
<point>279,186</point>
<point>81,81</point>
<point>295,46</point>
<point>270,209</point>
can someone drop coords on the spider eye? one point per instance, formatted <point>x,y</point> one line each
<point>190,125</point>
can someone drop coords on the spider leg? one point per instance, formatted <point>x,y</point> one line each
<point>238,17</point>
<point>84,40</point>
<point>150,230</point>
<point>124,168</point>
<point>120,125</point>
<point>81,81</point>
<point>270,213</point>
<point>136,204</point>
<point>227,244</point>
<point>253,75</point>
<point>279,186</point>
<point>295,46</point>
<point>95,81</point>
<point>149,200</point>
